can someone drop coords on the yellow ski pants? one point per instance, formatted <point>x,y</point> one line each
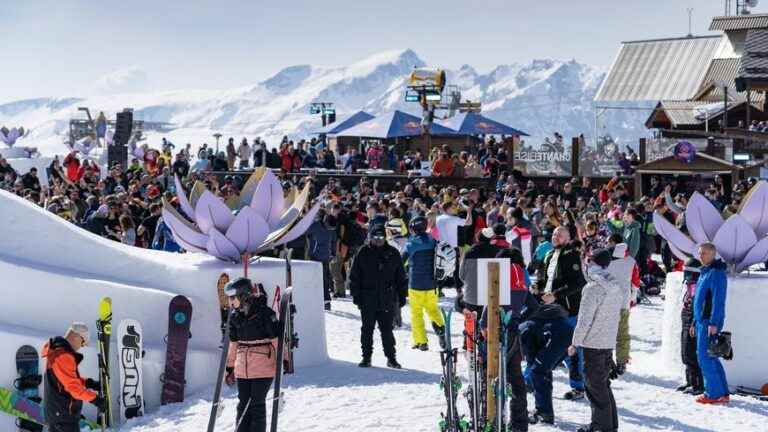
<point>423,301</point>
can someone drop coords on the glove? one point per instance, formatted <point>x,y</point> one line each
<point>99,403</point>
<point>229,378</point>
<point>92,384</point>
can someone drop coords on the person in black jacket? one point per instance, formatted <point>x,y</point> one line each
<point>694,382</point>
<point>377,281</point>
<point>560,280</point>
<point>252,355</point>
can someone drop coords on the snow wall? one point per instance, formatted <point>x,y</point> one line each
<point>746,306</point>
<point>53,273</point>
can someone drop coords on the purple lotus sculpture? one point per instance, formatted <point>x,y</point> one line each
<point>259,219</point>
<point>740,240</point>
<point>10,136</point>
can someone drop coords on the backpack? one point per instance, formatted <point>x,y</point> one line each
<point>445,261</point>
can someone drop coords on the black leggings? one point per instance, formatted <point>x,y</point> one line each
<point>252,393</point>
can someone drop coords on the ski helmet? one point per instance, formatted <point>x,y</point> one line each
<point>418,225</point>
<point>240,287</point>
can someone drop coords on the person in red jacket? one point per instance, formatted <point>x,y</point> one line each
<point>65,390</point>
<point>72,164</point>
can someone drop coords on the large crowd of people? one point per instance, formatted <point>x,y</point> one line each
<point>581,254</point>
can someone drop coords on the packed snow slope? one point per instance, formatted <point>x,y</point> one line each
<point>339,396</point>
<point>539,97</point>
<point>53,273</point>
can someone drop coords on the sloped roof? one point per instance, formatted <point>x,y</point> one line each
<point>723,70</point>
<point>679,113</point>
<point>754,62</point>
<point>739,22</point>
<point>347,123</point>
<point>661,69</point>
<point>395,124</point>
<point>472,123</point>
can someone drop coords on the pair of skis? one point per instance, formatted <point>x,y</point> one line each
<point>450,383</point>
<point>476,393</point>
<point>287,342</point>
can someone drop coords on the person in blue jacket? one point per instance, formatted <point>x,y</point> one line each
<point>419,255</point>
<point>709,315</point>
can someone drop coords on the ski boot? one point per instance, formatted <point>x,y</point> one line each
<point>574,395</point>
<point>440,332</point>
<point>537,417</point>
<point>365,363</point>
<point>392,363</point>
<point>421,347</point>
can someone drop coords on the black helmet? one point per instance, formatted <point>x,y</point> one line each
<point>240,287</point>
<point>418,225</point>
<point>720,346</point>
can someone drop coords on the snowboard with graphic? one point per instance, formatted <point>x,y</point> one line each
<point>129,354</point>
<point>177,340</point>
<point>28,382</point>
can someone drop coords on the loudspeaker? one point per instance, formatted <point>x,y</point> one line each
<point>123,127</point>
<point>117,154</point>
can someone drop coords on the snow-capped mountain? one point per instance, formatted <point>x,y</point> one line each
<point>540,97</point>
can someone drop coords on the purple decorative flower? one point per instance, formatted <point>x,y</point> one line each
<point>740,240</point>
<point>260,218</point>
<point>9,136</point>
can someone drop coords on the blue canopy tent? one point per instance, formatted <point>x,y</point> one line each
<point>475,124</point>
<point>395,124</point>
<point>353,120</point>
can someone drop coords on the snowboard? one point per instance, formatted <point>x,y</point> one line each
<point>225,313</point>
<point>131,390</point>
<point>752,392</point>
<point>28,382</point>
<point>179,320</point>
<point>286,342</point>
<point>103,335</point>
<point>14,404</point>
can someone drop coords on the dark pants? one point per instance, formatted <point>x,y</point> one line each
<point>597,365</point>
<point>693,376</point>
<point>252,393</point>
<point>518,405</point>
<point>384,319</point>
<point>327,281</point>
<point>542,364</point>
<point>64,427</point>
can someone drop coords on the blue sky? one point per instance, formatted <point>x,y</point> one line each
<point>76,47</point>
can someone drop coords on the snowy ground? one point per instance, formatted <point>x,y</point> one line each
<point>339,396</point>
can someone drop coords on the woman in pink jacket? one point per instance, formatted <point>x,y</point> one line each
<point>253,330</point>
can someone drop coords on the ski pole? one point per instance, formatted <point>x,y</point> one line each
<point>242,416</point>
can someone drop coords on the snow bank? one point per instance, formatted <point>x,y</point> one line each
<point>54,273</point>
<point>746,306</point>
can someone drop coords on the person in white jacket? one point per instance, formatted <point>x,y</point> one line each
<point>598,323</point>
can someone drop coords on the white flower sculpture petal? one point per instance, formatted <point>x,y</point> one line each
<point>678,242</point>
<point>740,241</point>
<point>702,219</point>
<point>734,239</point>
<point>258,220</point>
<point>755,209</point>
<point>758,254</point>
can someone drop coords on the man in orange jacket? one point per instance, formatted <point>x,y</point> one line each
<point>65,389</point>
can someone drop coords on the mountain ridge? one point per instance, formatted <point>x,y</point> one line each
<point>540,97</point>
